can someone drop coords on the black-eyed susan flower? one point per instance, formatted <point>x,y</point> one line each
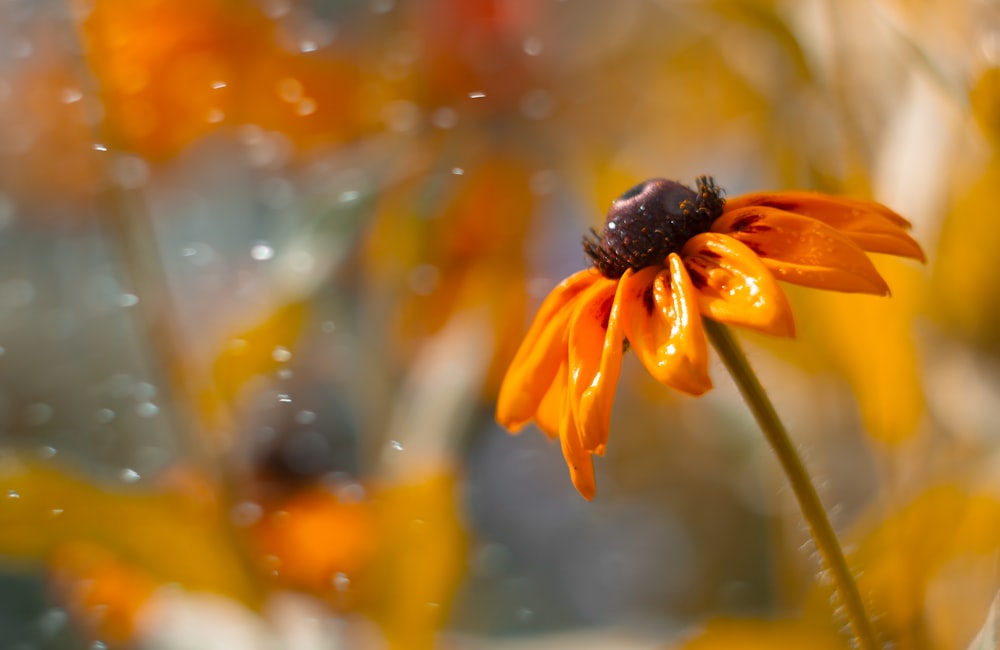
<point>669,255</point>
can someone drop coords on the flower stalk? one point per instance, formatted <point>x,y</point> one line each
<point>805,493</point>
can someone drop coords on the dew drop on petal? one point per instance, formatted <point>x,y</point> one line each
<point>13,494</point>
<point>128,300</point>
<point>395,445</point>
<point>281,354</point>
<point>477,94</point>
<point>284,398</point>
<point>457,171</point>
<point>47,452</point>
<point>128,475</point>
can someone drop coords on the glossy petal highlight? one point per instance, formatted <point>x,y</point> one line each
<point>870,225</point>
<point>662,322</point>
<point>801,250</point>
<point>580,463</point>
<point>595,358</point>
<point>735,287</point>
<point>536,364</point>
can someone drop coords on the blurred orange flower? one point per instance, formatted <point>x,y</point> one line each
<point>669,254</point>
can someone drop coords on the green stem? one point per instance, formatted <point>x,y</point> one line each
<point>812,508</point>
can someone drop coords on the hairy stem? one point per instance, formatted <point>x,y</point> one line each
<point>805,493</point>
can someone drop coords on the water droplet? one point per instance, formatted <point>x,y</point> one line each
<point>100,147</point>
<point>130,172</point>
<point>341,582</point>
<point>285,374</point>
<point>246,513</point>
<point>395,445</point>
<point>444,118</point>
<point>146,409</point>
<point>477,94</point>
<point>143,390</point>
<point>532,46</point>
<point>13,494</point>
<point>457,171</point>
<point>401,115</point>
<point>217,85</point>
<point>262,251</point>
<point>305,107</point>
<point>128,300</point>
<point>47,452</point>
<point>284,398</point>
<point>289,90</point>
<point>70,95</point>
<point>348,195</point>
<point>52,621</point>
<point>308,45</point>
<point>128,475</point>
<point>98,645</point>
<point>55,512</point>
<point>305,417</point>
<point>281,354</point>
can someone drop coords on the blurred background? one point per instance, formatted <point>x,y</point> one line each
<point>263,264</point>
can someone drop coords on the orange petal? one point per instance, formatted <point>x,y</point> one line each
<point>595,359</point>
<point>734,286</point>
<point>548,417</point>
<point>536,364</point>
<point>581,465</point>
<point>802,250</point>
<point>870,225</point>
<point>662,322</point>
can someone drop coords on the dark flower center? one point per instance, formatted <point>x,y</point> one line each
<point>650,221</point>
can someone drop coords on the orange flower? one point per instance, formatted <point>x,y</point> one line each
<point>667,256</point>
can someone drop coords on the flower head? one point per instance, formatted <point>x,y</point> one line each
<point>667,256</point>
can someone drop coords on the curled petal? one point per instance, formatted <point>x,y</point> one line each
<point>734,286</point>
<point>662,322</point>
<point>580,462</point>
<point>802,250</point>
<point>595,359</point>
<point>533,371</point>
<point>870,225</point>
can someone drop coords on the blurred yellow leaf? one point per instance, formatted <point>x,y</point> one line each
<point>749,634</point>
<point>927,570</point>
<point>170,537</point>
<point>421,561</point>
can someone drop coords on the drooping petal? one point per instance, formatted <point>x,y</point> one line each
<point>579,461</point>
<point>534,368</point>
<point>662,322</point>
<point>548,417</point>
<point>870,225</point>
<point>595,358</point>
<point>734,286</point>
<point>802,250</point>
